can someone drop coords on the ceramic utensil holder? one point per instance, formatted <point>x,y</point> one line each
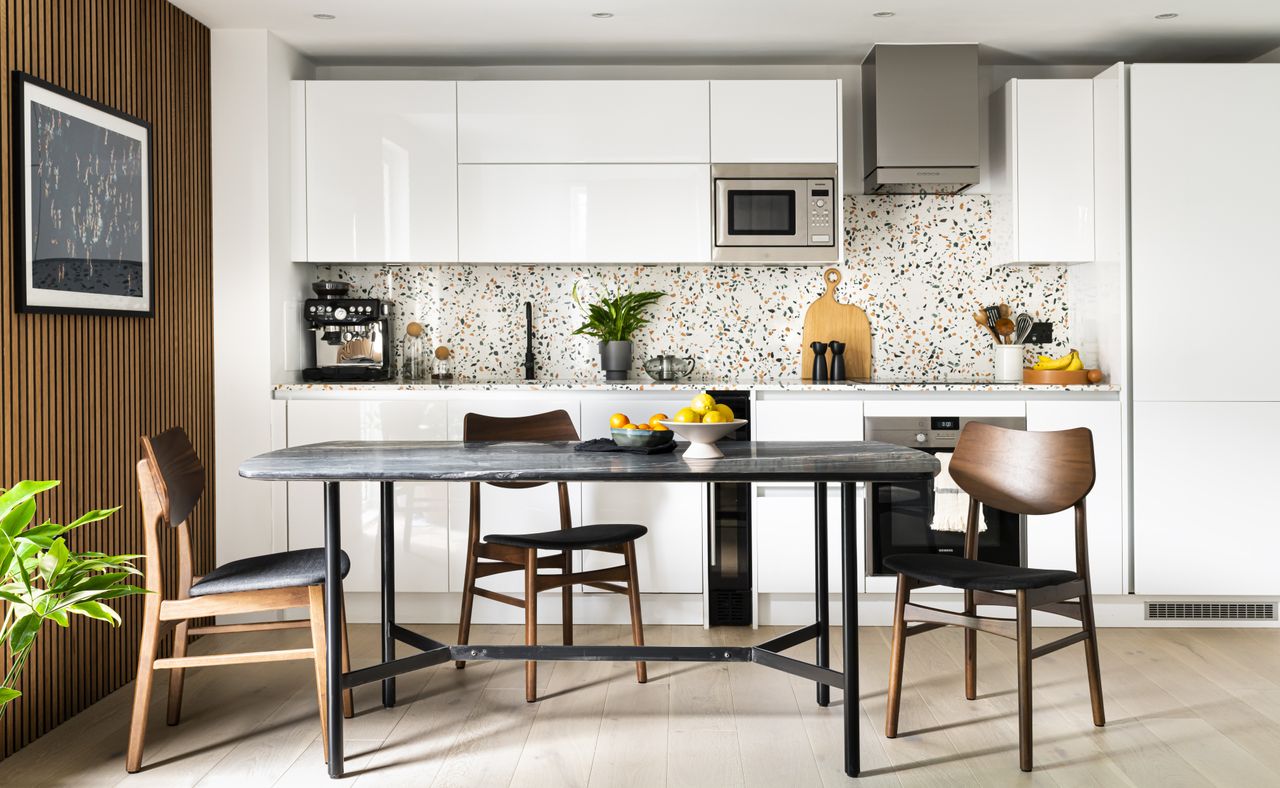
<point>1009,363</point>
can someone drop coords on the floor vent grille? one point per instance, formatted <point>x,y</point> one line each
<point>1212,611</point>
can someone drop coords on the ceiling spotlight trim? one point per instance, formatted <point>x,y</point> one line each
<point>324,17</point>
<point>884,14</point>
<point>602,15</point>
<point>1169,15</point>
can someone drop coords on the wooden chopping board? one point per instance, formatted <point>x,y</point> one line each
<point>828,319</point>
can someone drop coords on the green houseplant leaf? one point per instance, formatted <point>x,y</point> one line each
<point>617,316</point>
<point>43,579</point>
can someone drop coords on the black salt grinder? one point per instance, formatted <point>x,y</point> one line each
<point>837,360</point>
<point>819,361</point>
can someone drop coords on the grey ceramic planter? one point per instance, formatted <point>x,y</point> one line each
<point>615,359</point>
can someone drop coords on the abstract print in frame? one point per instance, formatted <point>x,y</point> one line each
<point>82,204</point>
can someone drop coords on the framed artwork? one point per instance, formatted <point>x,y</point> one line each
<point>82,204</point>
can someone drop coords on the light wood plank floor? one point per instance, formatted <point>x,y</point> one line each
<point>1184,706</point>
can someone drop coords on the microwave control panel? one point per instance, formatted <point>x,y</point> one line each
<point>822,202</point>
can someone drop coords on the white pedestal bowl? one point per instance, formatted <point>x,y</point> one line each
<point>702,437</point>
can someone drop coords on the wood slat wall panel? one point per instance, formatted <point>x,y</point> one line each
<point>76,391</point>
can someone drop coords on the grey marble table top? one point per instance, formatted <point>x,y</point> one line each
<point>778,461</point>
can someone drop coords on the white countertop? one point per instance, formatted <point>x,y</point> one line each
<point>341,389</point>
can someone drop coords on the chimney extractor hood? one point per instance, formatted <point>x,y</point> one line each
<point>920,118</point>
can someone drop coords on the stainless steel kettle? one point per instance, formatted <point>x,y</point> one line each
<point>668,367</point>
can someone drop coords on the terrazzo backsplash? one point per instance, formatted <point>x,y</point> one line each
<point>918,264</point>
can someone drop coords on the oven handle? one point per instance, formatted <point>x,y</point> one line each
<point>714,538</point>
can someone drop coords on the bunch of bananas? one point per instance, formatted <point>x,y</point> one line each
<point>1070,362</point>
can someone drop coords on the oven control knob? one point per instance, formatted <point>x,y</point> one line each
<point>820,203</point>
<point>921,437</point>
<point>340,313</point>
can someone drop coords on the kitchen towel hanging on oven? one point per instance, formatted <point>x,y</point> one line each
<point>950,503</point>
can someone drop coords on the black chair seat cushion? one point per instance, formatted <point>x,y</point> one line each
<point>954,571</point>
<point>289,569</point>
<point>582,538</point>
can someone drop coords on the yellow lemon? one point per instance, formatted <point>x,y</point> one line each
<point>688,416</point>
<point>714,417</point>
<point>726,411</point>
<point>702,403</point>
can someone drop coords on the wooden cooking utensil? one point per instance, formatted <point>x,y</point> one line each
<point>827,319</point>
<point>1005,328</point>
<point>981,319</point>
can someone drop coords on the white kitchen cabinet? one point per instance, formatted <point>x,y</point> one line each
<point>1051,538</point>
<point>598,213</point>
<point>1204,160</point>
<point>768,121</point>
<point>592,122</point>
<point>670,557</point>
<point>381,172</point>
<point>1042,171</point>
<point>420,507</point>
<point>782,514</point>
<point>1204,520</point>
<point>504,510</point>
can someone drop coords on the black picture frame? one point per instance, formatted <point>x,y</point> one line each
<point>110,198</point>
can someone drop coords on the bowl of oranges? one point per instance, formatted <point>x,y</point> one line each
<point>644,435</point>
<point>702,424</point>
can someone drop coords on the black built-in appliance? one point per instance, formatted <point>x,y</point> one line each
<point>729,521</point>
<point>350,336</point>
<point>899,515</point>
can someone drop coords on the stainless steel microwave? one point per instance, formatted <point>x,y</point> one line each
<point>775,212</point>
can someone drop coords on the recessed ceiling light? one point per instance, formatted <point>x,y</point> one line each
<point>324,17</point>
<point>1166,16</point>
<point>602,15</point>
<point>884,14</point>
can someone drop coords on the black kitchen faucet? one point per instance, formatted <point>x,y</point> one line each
<point>528,340</point>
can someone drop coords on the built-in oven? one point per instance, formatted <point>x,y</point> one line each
<point>729,521</point>
<point>930,517</point>
<point>776,212</point>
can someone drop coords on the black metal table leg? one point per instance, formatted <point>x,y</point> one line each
<point>333,624</point>
<point>387,533</point>
<point>822,616</point>
<point>849,595</point>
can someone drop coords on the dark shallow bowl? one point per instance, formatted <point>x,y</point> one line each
<point>642,439</point>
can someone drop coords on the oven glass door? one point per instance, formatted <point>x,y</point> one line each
<point>761,212</point>
<point>901,519</point>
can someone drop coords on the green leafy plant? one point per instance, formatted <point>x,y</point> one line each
<point>42,579</point>
<point>617,316</point>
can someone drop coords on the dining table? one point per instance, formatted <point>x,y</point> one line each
<point>843,463</point>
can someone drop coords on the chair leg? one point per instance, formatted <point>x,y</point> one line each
<point>898,653</point>
<point>1091,658</point>
<point>348,699</point>
<point>970,651</point>
<point>315,597</point>
<point>531,623</point>
<point>176,675</point>
<point>633,596</point>
<point>1024,681</point>
<point>147,648</point>
<point>468,601</point>
<point>566,602</point>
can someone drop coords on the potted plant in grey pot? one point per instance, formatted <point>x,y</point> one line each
<point>613,320</point>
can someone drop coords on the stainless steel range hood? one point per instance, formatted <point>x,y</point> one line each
<point>920,118</point>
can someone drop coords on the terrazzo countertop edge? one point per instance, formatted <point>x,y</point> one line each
<point>339,389</point>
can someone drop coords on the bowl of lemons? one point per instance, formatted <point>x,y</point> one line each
<point>702,424</point>
<point>644,435</point>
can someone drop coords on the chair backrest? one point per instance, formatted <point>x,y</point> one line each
<point>1024,472</point>
<point>170,483</point>
<point>550,426</point>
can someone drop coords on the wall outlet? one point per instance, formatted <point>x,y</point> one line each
<point>1040,334</point>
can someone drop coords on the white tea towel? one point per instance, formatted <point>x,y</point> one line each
<point>951,505</point>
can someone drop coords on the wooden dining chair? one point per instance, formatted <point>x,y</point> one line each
<point>170,482</point>
<point>1023,473</point>
<point>519,552</point>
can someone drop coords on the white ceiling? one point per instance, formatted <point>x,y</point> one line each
<point>751,31</point>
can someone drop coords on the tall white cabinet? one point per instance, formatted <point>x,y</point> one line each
<point>1204,158</point>
<point>380,172</point>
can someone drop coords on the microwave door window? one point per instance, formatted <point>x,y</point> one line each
<point>762,212</point>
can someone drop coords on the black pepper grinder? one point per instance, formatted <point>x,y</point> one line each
<point>819,361</point>
<point>837,360</point>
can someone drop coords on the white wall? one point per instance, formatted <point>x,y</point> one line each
<point>1271,57</point>
<point>253,277</point>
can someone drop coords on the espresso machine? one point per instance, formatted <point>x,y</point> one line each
<point>350,336</point>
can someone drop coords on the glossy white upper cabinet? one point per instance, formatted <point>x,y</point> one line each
<point>591,122</point>
<point>1042,171</point>
<point>1204,158</point>
<point>381,172</point>
<point>784,121</point>
<point>590,213</point>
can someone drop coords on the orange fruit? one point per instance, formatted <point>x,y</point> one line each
<point>643,427</point>
<point>630,427</point>
<point>619,420</point>
<point>661,428</point>
<point>657,417</point>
